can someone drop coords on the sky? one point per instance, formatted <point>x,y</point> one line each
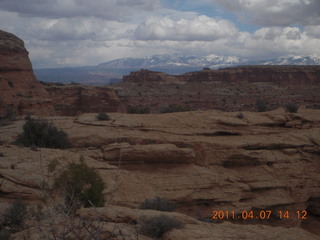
<point>63,33</point>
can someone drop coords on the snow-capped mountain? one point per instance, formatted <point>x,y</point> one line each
<point>166,61</point>
<point>210,61</point>
<point>294,60</point>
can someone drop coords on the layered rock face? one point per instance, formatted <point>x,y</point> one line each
<point>279,75</point>
<point>73,100</point>
<point>230,89</point>
<point>202,161</point>
<point>21,93</point>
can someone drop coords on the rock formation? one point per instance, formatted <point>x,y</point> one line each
<point>279,75</point>
<point>21,93</point>
<point>71,100</point>
<point>230,89</point>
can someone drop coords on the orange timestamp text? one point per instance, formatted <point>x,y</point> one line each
<point>259,215</point>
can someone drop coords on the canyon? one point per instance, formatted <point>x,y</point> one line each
<point>213,158</point>
<point>228,89</point>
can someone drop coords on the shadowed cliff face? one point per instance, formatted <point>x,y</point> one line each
<point>21,93</point>
<point>230,89</point>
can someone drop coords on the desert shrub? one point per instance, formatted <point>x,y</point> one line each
<point>240,115</point>
<point>138,110</point>
<point>175,108</point>
<point>156,226</point>
<point>313,106</point>
<point>13,219</point>
<point>11,114</point>
<point>102,116</point>
<point>261,105</point>
<point>52,166</point>
<point>157,203</point>
<point>81,185</point>
<point>9,117</point>
<point>49,84</point>
<point>40,133</point>
<point>291,107</point>
<point>10,83</point>
<point>58,84</point>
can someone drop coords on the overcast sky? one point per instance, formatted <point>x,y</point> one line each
<point>60,33</point>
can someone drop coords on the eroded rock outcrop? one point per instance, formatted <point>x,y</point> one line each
<point>229,89</point>
<point>279,75</point>
<point>146,76</point>
<point>71,100</point>
<point>21,93</point>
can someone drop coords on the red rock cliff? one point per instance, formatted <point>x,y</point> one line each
<point>20,92</point>
<point>229,89</point>
<point>282,75</point>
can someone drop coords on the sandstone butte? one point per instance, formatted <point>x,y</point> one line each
<point>202,161</point>
<point>21,93</point>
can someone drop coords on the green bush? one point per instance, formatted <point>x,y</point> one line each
<point>156,226</point>
<point>102,116</point>
<point>291,107</point>
<point>40,133</point>
<point>158,203</point>
<point>261,105</point>
<point>13,219</point>
<point>138,110</point>
<point>175,108</point>
<point>81,185</point>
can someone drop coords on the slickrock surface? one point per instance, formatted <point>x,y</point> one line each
<point>20,92</point>
<point>202,161</point>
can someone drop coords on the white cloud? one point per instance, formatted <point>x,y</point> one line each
<point>201,28</point>
<point>57,33</point>
<point>104,9</point>
<point>279,41</point>
<point>86,29</point>
<point>275,12</point>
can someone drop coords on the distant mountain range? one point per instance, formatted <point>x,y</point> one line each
<point>112,71</point>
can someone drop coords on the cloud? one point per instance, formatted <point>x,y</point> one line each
<point>280,41</point>
<point>60,33</point>
<point>313,31</point>
<point>201,28</point>
<point>85,29</point>
<point>105,9</point>
<point>275,12</point>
